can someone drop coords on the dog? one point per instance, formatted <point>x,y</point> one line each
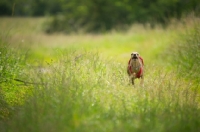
<point>135,68</point>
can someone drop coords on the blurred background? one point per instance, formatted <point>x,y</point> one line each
<point>99,15</point>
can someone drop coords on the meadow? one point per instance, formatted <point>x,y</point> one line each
<point>78,82</point>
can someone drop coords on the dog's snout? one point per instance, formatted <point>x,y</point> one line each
<point>134,55</point>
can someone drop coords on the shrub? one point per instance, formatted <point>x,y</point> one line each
<point>11,62</point>
<point>185,55</point>
<point>105,15</point>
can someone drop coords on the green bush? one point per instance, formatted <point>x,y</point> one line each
<point>185,55</point>
<point>100,15</point>
<point>105,15</point>
<point>11,61</point>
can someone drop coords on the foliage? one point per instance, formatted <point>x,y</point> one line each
<point>5,7</point>
<point>100,15</point>
<point>29,8</point>
<point>10,68</point>
<point>10,63</point>
<point>186,54</point>
<point>103,15</point>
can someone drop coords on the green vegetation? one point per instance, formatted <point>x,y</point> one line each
<point>79,82</point>
<point>187,56</point>
<point>100,15</point>
<point>11,63</point>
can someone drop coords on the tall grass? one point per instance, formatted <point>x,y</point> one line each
<point>185,54</point>
<point>79,90</point>
<point>82,92</point>
<point>11,66</point>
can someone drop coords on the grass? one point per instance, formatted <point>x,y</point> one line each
<point>79,82</point>
<point>118,45</point>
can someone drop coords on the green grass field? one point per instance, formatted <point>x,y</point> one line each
<point>78,82</point>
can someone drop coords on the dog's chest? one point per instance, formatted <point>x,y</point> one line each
<point>135,66</point>
<point>135,69</point>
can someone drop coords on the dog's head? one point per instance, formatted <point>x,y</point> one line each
<point>135,55</point>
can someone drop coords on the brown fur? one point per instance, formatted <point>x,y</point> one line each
<point>134,66</point>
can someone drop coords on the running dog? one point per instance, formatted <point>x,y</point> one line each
<point>135,68</point>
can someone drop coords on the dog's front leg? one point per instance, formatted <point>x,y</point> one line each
<point>133,78</point>
<point>142,81</point>
<point>132,81</point>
